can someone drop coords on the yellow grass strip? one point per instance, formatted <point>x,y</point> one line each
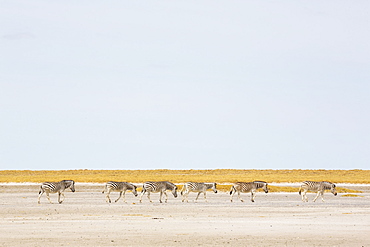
<point>226,188</point>
<point>345,190</point>
<point>181,176</point>
<point>351,195</point>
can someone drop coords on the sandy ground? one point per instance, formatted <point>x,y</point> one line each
<point>275,219</point>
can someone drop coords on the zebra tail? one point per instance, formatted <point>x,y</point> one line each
<point>182,189</point>
<point>300,190</point>
<point>40,190</point>
<point>143,190</point>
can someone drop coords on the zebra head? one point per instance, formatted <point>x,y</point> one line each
<point>69,184</point>
<point>333,189</point>
<point>134,191</point>
<point>263,185</point>
<point>214,187</point>
<point>174,190</point>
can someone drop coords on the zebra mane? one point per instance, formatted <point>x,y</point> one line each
<point>129,185</point>
<point>328,183</point>
<point>170,184</point>
<point>67,181</point>
<point>259,182</point>
<point>210,185</point>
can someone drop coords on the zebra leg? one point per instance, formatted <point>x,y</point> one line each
<point>165,193</point>
<point>59,194</point>
<point>160,196</point>
<point>318,193</point>
<point>182,190</point>
<point>253,195</point>
<point>205,198</point>
<point>141,195</point>
<point>322,196</point>
<point>240,197</point>
<point>185,196</point>
<point>48,197</point>
<point>149,196</point>
<point>124,196</point>
<point>232,194</point>
<point>302,194</point>
<point>107,198</point>
<point>40,194</point>
<point>120,194</point>
<point>197,196</point>
<point>105,189</point>
<point>305,196</point>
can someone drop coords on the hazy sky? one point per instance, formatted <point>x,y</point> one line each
<point>184,84</point>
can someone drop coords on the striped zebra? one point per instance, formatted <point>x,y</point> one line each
<point>197,187</point>
<point>248,187</point>
<point>318,187</point>
<point>160,187</point>
<point>120,187</point>
<point>56,187</point>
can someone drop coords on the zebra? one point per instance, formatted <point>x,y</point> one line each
<point>56,187</point>
<point>120,187</point>
<point>247,187</point>
<point>160,187</point>
<point>318,187</point>
<point>197,187</point>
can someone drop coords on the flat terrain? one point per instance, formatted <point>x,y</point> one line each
<point>275,219</point>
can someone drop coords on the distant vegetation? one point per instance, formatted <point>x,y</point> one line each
<point>181,176</point>
<point>224,177</point>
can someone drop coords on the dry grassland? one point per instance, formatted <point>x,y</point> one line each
<point>181,176</point>
<point>220,176</point>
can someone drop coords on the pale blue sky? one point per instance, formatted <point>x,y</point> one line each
<point>184,84</point>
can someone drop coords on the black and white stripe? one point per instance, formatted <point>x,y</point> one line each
<point>120,187</point>
<point>56,187</point>
<point>318,187</point>
<point>161,187</point>
<point>197,187</point>
<point>244,187</point>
